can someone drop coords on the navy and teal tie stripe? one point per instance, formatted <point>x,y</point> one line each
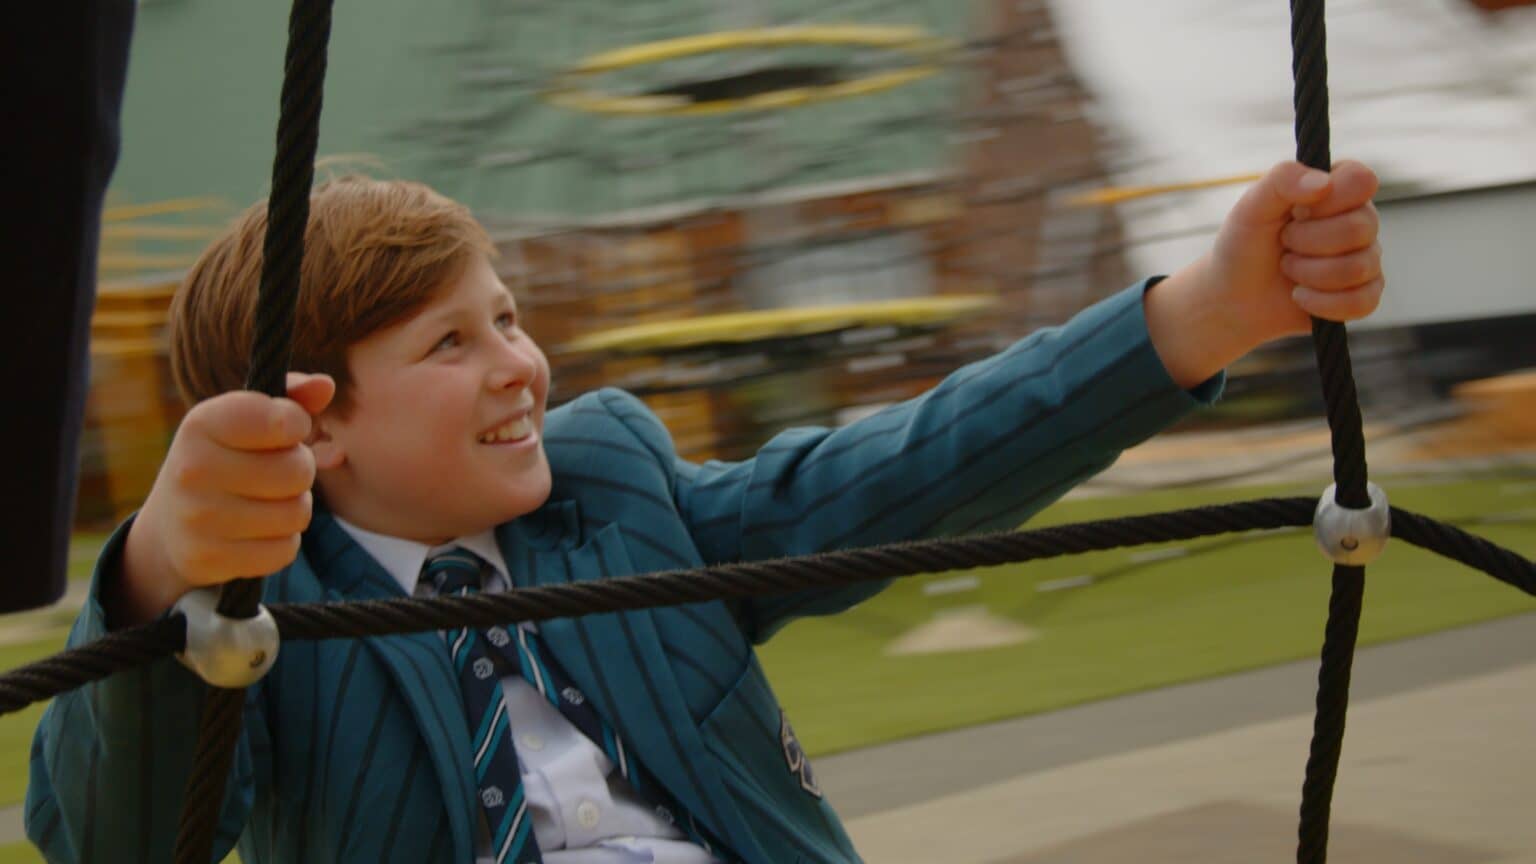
<point>497,777</point>
<point>544,673</point>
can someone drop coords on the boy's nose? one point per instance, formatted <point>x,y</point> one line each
<point>513,368</point>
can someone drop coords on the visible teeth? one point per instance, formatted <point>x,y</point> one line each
<point>514,431</point>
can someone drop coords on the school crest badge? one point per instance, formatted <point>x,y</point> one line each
<point>795,758</point>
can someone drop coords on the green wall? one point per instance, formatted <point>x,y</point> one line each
<point>447,91</point>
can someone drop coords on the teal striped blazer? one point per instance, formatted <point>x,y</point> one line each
<point>357,751</point>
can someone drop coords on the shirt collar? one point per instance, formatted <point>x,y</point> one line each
<point>403,559</point>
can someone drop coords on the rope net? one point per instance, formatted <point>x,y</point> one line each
<point>293,175</point>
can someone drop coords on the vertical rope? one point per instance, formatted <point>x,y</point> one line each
<point>1309,65</point>
<point>1332,706</point>
<point>293,175</point>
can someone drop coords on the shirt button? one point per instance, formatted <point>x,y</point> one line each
<point>533,742</point>
<point>588,814</point>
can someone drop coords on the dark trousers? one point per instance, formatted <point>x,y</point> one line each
<point>62,69</point>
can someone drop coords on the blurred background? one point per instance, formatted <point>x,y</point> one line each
<point>763,213</point>
<point>750,235</point>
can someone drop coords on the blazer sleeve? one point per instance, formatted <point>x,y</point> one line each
<point>110,760</point>
<point>987,448</point>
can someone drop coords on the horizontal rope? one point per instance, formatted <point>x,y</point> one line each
<point>134,647</point>
<point>748,579</point>
<point>113,653</point>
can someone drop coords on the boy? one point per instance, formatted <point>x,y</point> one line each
<point>627,737</point>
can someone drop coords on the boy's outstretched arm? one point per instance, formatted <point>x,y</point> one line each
<point>1002,438</point>
<point>1299,243</point>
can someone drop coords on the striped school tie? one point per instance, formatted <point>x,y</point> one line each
<point>544,673</point>
<point>500,783</point>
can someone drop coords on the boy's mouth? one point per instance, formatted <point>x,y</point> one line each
<point>512,430</point>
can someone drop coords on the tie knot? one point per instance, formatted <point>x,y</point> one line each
<point>454,570</point>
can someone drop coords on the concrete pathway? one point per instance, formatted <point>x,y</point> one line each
<point>1437,769</point>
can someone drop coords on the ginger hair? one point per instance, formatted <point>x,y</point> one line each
<point>375,253</point>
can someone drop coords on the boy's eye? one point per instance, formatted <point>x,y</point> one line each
<point>448,341</point>
<point>506,320</point>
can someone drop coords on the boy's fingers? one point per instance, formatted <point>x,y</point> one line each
<point>1286,186</point>
<point>229,517</point>
<point>1334,235</point>
<point>1340,305</point>
<point>312,392</point>
<point>240,559</point>
<point>244,420</point>
<point>274,475</point>
<point>1334,273</point>
<point>1353,187</point>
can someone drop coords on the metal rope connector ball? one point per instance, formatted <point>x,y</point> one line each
<point>226,652</point>
<point>1352,536</point>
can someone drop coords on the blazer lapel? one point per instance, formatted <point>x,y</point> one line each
<point>420,667</point>
<point>617,661</point>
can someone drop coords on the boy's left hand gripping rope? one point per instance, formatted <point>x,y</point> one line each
<point>224,651</point>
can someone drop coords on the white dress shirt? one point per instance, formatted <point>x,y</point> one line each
<point>584,811</point>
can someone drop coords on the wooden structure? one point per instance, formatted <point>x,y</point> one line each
<point>132,408</point>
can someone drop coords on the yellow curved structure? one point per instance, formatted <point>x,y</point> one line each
<point>779,323</point>
<point>570,89</point>
<point>1119,194</point>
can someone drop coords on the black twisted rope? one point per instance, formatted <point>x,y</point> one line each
<point>293,175</point>
<point>1466,548</point>
<point>107,656</point>
<point>296,622</point>
<point>302,621</point>
<point>1332,703</point>
<point>1309,66</point>
<point>385,617</point>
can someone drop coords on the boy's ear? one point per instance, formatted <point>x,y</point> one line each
<point>328,451</point>
<point>314,393</point>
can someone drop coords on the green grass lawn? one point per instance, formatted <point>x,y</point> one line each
<point>1221,607</point>
<point>1137,622</point>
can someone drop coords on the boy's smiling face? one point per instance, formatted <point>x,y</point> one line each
<point>444,436</point>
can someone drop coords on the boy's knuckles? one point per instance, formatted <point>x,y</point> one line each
<point>263,557</point>
<point>1367,298</point>
<point>1362,227</point>
<point>1361,267</point>
<point>275,475</point>
<point>1334,236</point>
<point>303,510</point>
<point>202,518</point>
<point>244,420</point>
<point>1334,273</point>
<point>289,423</point>
<point>188,474</point>
<point>292,471</point>
<point>286,518</point>
<point>203,564</point>
<point>1360,182</point>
